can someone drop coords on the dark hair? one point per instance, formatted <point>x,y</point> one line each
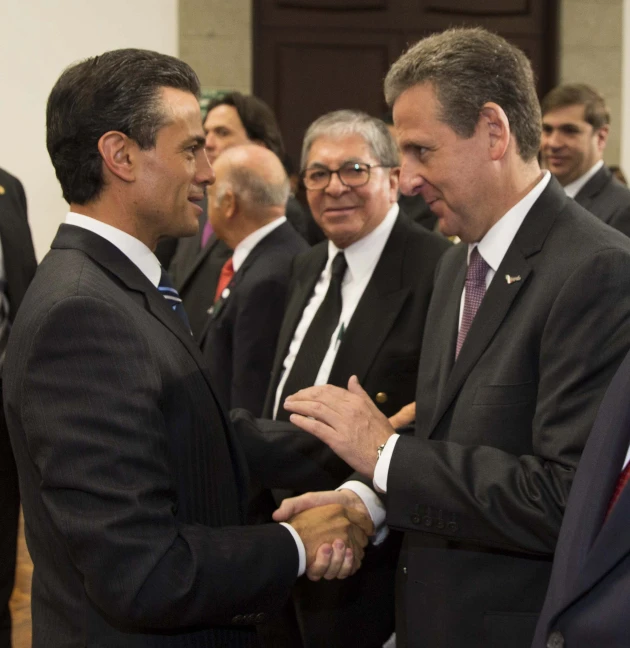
<point>257,118</point>
<point>578,94</point>
<point>468,67</point>
<point>116,91</point>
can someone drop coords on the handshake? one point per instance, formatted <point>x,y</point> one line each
<point>334,527</point>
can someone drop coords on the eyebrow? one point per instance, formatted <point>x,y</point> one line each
<point>195,139</point>
<point>353,160</point>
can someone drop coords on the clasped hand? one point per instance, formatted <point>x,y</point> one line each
<point>334,526</point>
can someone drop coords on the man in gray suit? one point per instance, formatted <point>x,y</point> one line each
<point>134,487</point>
<point>528,321</point>
<point>575,129</point>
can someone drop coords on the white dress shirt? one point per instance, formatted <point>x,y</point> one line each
<point>141,256</point>
<point>242,250</point>
<point>574,187</point>
<point>361,258</point>
<point>492,247</point>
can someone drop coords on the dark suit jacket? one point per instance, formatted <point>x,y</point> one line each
<point>239,342</point>
<point>481,488</point>
<point>587,600</point>
<point>604,196</point>
<point>19,265</point>
<point>134,488</point>
<point>381,346</point>
<point>196,271</point>
<point>382,342</point>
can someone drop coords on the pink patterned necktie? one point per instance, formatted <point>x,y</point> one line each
<point>475,290</point>
<point>206,233</point>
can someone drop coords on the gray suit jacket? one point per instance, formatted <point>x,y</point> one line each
<point>134,487</point>
<point>604,196</point>
<point>481,488</point>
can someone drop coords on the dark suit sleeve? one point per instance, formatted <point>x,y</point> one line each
<point>620,220</point>
<point>486,495</point>
<point>255,335</point>
<point>98,438</point>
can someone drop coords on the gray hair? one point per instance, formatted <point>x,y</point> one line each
<point>253,189</point>
<point>342,123</point>
<point>467,68</point>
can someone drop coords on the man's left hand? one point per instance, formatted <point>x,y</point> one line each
<point>346,420</point>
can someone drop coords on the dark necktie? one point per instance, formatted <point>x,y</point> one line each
<point>621,483</point>
<point>317,339</point>
<point>172,297</point>
<point>475,290</point>
<point>227,272</point>
<point>5,324</point>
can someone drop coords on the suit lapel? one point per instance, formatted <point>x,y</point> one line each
<point>301,292</point>
<point>501,295</point>
<point>593,187</point>
<point>385,296</point>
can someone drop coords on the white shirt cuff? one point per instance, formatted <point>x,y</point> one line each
<point>300,547</point>
<point>375,508</point>
<point>382,465</point>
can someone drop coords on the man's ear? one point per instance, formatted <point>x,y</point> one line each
<point>601,135</point>
<point>394,182</point>
<point>497,126</point>
<point>228,203</point>
<point>118,153</point>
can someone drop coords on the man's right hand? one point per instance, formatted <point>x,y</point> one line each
<point>334,538</point>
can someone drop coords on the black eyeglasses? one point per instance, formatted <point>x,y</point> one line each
<point>351,174</point>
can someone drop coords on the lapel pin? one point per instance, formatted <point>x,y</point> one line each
<point>510,280</point>
<point>225,294</point>
<point>2,190</point>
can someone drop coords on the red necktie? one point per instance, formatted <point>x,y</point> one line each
<point>227,272</point>
<point>621,482</point>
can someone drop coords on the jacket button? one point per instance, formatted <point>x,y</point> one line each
<point>415,519</point>
<point>427,521</point>
<point>381,398</point>
<point>250,619</point>
<point>452,526</point>
<point>440,524</point>
<point>555,640</point>
<point>260,618</point>
<point>239,618</point>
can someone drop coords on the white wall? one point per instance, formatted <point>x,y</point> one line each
<point>38,39</point>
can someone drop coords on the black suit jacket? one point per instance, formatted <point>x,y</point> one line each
<point>381,346</point>
<point>134,488</point>
<point>481,488</point>
<point>239,342</point>
<point>587,600</point>
<point>382,342</point>
<point>604,196</point>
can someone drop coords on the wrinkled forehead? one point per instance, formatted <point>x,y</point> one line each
<point>351,147</point>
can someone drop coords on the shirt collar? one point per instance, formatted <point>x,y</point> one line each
<point>134,249</point>
<point>573,188</point>
<point>362,255</point>
<point>242,250</point>
<point>499,237</point>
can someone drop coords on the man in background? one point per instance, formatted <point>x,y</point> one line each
<point>17,267</point>
<point>575,130</point>
<point>246,206</point>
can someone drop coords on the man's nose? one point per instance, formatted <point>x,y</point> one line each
<point>205,173</point>
<point>411,181</point>
<point>335,186</point>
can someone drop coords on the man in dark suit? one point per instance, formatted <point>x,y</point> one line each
<point>350,170</point>
<point>17,267</point>
<point>575,129</point>
<point>527,325</point>
<point>246,207</point>
<point>232,119</point>
<point>133,485</point>
<point>586,603</point>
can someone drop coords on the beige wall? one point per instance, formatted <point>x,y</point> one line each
<point>591,52</point>
<point>215,39</point>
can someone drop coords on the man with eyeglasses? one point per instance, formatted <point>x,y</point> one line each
<point>357,305</point>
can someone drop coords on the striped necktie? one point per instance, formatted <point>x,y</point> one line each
<point>171,295</point>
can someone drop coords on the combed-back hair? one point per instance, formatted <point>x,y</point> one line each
<point>596,112</point>
<point>467,68</point>
<point>116,91</point>
<point>341,123</point>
